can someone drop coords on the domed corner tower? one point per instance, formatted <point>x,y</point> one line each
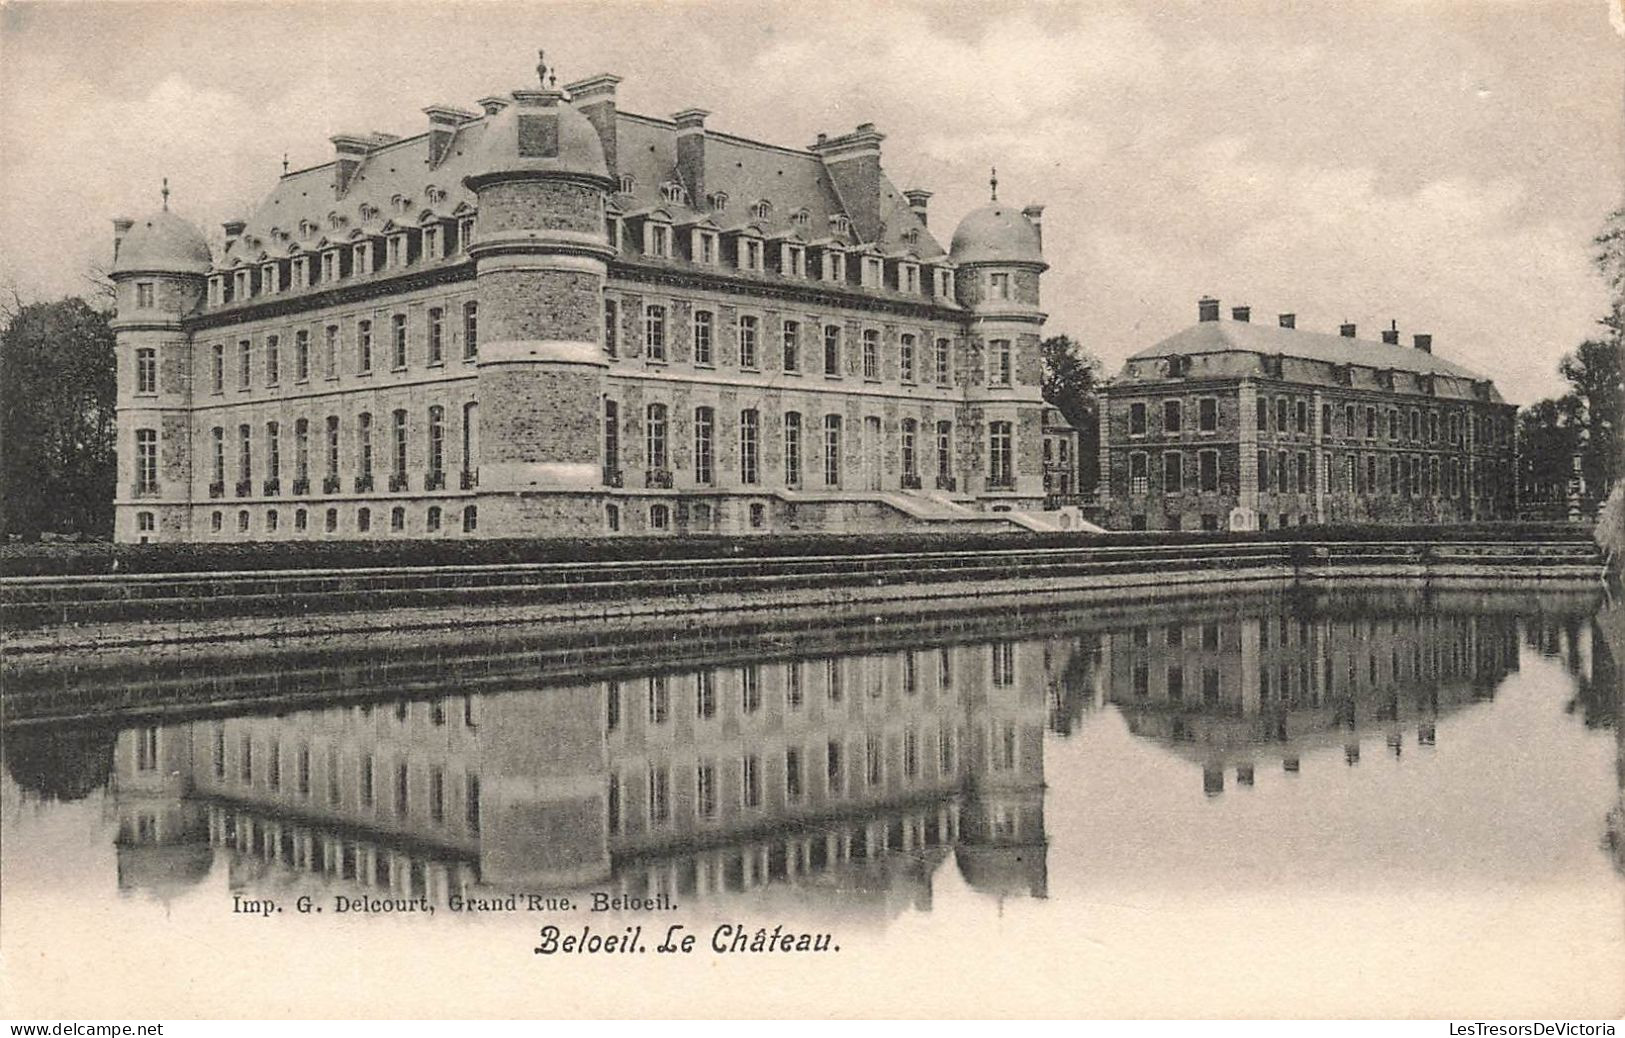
<point>160,264</point>
<point>541,257</point>
<point>998,252</point>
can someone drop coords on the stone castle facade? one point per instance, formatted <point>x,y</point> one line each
<point>552,317</point>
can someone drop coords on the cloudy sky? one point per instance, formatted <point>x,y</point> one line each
<point>1444,165</point>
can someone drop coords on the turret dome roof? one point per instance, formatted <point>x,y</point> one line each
<point>996,233</point>
<point>162,243</point>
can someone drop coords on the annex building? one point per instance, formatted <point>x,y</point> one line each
<point>553,317</point>
<point>1237,425</point>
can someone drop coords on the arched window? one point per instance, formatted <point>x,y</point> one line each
<point>627,183</point>
<point>655,437</point>
<point>471,445</point>
<point>397,519</point>
<point>840,225</point>
<point>363,520</point>
<point>659,517</point>
<point>704,440</point>
<point>802,218</point>
<point>672,191</point>
<point>749,446</point>
<point>719,201</point>
<point>832,450</point>
<point>431,522</point>
<point>762,210</point>
<point>471,518</point>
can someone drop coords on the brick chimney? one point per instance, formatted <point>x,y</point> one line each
<point>234,229</point>
<point>349,149</point>
<point>493,104</point>
<point>1244,314</point>
<point>443,123</point>
<point>1390,334</point>
<point>1346,331</point>
<point>1207,309</point>
<point>1424,343</point>
<point>121,227</point>
<point>594,98</point>
<point>691,153</point>
<point>853,163</point>
<point>917,199</point>
<point>1035,216</point>
<point>1288,320</point>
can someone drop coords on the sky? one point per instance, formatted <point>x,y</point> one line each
<point>1440,165</point>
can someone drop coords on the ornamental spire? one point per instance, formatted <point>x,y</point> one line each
<point>993,183</point>
<point>165,193</point>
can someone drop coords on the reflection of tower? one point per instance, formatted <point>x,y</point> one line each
<point>543,791</point>
<point>1003,846</point>
<point>163,843</point>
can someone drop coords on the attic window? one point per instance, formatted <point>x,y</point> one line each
<point>368,212</point>
<point>801,218</point>
<point>911,236</point>
<point>401,203</point>
<point>334,221</point>
<point>840,225</point>
<point>762,210</point>
<point>627,183</point>
<point>673,192</point>
<point>718,201</point>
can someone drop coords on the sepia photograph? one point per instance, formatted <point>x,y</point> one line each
<point>719,509</point>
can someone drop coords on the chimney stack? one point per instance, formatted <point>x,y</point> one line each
<point>1289,320</point>
<point>1390,334</point>
<point>594,98</point>
<point>234,229</point>
<point>1424,343</point>
<point>1035,216</point>
<point>493,104</point>
<point>349,149</point>
<point>852,161</point>
<point>121,227</point>
<point>918,197</point>
<point>1244,314</point>
<point>443,123</point>
<point>691,154</point>
<point>1207,309</point>
<point>1346,331</point>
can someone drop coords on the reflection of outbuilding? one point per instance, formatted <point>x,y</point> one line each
<point>162,843</point>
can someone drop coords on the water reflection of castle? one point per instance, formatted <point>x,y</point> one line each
<point>1231,691</point>
<point>855,773</point>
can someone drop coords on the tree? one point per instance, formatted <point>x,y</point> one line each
<point>58,396</point>
<point>1596,403</point>
<point>1071,375</point>
<point>1549,439</point>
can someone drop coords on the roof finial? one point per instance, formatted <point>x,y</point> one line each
<point>993,183</point>
<point>165,193</point>
<point>284,163</point>
<point>541,67</point>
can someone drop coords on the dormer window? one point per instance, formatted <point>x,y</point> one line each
<point>873,270</point>
<point>361,261</point>
<point>998,285</point>
<point>834,265</point>
<point>750,254</point>
<point>400,203</point>
<point>217,290</point>
<point>368,212</point>
<point>432,243</point>
<point>627,183</point>
<point>334,221</point>
<point>465,233</point>
<point>433,195</point>
<point>802,219</point>
<point>840,226</point>
<point>657,239</point>
<point>612,230</point>
<point>269,282</point>
<point>398,252</point>
<point>908,278</point>
<point>242,282</point>
<point>703,246</point>
<point>330,265</point>
<point>673,192</point>
<point>762,210</point>
<point>911,236</point>
<point>792,260</point>
<point>301,271</point>
<point>718,201</point>
<point>945,283</point>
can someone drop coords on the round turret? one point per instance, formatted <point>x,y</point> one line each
<point>539,134</point>
<point>162,243</point>
<point>996,233</point>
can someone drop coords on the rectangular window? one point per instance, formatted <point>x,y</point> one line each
<point>792,346</point>
<point>471,330</point>
<point>910,460</point>
<point>273,360</point>
<point>397,327</point>
<point>146,461</point>
<point>1207,415</point>
<point>945,453</point>
<point>363,347</point>
<point>436,335</point>
<point>301,356</point>
<point>1000,455</point>
<point>611,328</point>
<point>398,458</point>
<point>218,380</point>
<point>1209,462</point>
<point>747,341</point>
<point>654,332</point>
<point>332,447</point>
<point>704,434</point>
<point>1303,473</point>
<point>364,445</point>
<point>1302,416</point>
<point>1139,480</point>
<point>146,371</point>
<point>612,438</point>
<point>330,356</point>
<point>1371,423</point>
<point>659,700</point>
<point>659,795</point>
<point>245,362</point>
<point>705,790</point>
<point>749,444</point>
<point>655,436</point>
<point>703,322</point>
<point>832,450</point>
<point>871,355</point>
<point>1173,472</point>
<point>1136,419</point>
<point>832,350</point>
<point>999,285</point>
<point>905,358</point>
<point>1281,415</point>
<point>999,362</point>
<point>750,781</point>
<point>1170,416</point>
<point>792,449</point>
<point>943,353</point>
<point>1263,470</point>
<point>792,774</point>
<point>143,295</point>
<point>834,767</point>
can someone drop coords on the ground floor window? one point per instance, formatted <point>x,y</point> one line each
<point>612,517</point>
<point>432,522</point>
<point>363,520</point>
<point>471,518</point>
<point>659,517</point>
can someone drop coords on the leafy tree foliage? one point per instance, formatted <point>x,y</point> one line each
<point>58,394</point>
<point>1071,376</point>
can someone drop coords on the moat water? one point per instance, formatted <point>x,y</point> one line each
<point>1324,805</point>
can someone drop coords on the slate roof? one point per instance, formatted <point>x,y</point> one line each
<point>1247,337</point>
<point>747,171</point>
